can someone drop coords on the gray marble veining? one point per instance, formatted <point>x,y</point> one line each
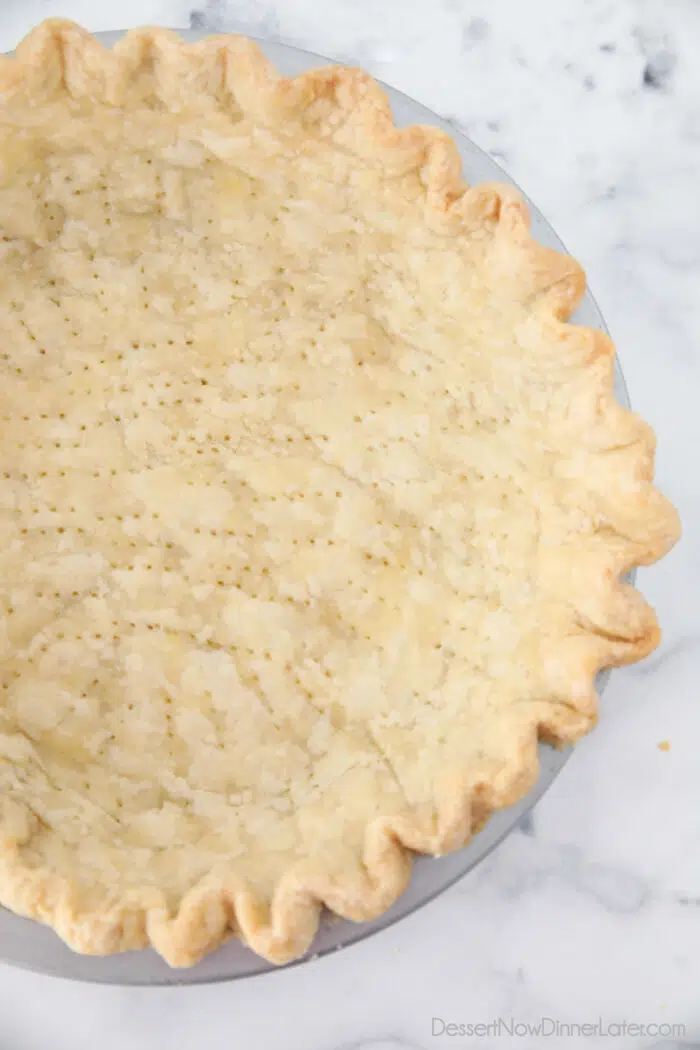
<point>592,908</point>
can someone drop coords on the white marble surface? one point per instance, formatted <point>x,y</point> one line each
<point>592,909</point>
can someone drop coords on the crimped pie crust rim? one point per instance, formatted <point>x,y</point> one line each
<point>220,904</point>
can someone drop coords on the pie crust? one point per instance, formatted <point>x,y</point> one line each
<point>313,508</point>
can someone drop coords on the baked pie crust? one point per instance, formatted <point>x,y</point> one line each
<point>313,508</point>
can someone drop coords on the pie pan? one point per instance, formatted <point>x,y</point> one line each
<point>27,944</point>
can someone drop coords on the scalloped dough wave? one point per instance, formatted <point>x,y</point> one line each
<point>312,507</point>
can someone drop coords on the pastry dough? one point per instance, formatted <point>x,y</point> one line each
<point>313,508</point>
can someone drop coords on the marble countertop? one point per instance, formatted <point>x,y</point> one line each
<point>591,910</point>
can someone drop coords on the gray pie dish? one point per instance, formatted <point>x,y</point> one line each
<point>34,947</point>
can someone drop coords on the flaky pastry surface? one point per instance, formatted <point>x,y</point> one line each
<point>313,507</point>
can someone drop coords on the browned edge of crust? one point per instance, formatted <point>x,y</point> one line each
<point>618,627</point>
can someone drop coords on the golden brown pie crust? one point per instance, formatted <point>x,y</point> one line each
<point>313,508</point>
